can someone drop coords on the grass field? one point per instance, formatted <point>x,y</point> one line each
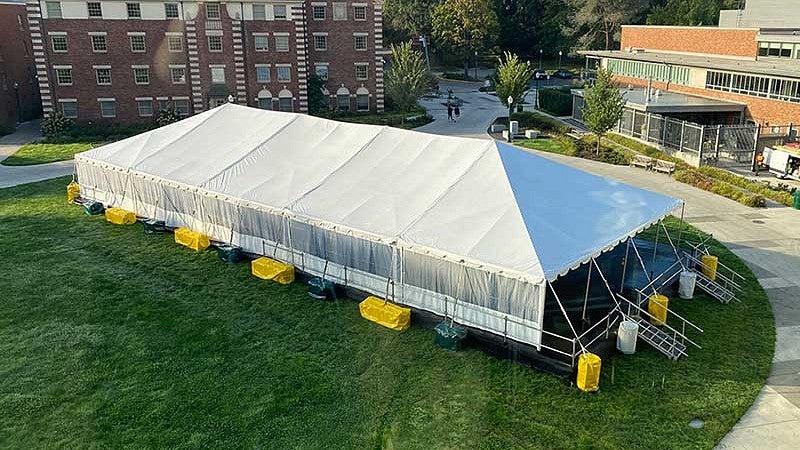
<point>544,144</point>
<point>111,338</point>
<point>41,153</point>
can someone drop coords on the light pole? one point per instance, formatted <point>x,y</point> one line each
<point>510,103</point>
<point>559,58</point>
<point>476,65</point>
<point>540,59</point>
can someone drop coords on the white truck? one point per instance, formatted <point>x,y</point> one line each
<point>783,161</point>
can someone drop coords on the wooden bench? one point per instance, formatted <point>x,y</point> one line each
<point>666,167</point>
<point>642,161</point>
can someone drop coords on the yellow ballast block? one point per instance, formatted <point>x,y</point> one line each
<point>120,216</point>
<point>269,269</point>
<point>710,264</point>
<point>657,306</point>
<point>192,239</point>
<point>385,313</point>
<point>73,192</point>
<point>589,372</point>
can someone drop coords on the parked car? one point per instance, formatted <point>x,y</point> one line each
<point>564,74</point>
<point>539,74</point>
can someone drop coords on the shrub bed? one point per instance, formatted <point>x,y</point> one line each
<point>557,102</point>
<point>529,119</point>
<point>702,181</point>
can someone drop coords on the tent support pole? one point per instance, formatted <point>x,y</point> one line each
<point>625,265</point>
<point>644,268</point>
<point>586,296</point>
<point>569,322</point>
<point>683,224</point>
<point>674,249</point>
<point>655,247</point>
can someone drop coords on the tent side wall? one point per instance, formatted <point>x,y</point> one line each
<point>477,297</point>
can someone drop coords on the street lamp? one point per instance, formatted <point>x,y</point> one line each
<point>559,58</point>
<point>540,59</point>
<point>476,64</point>
<point>510,102</point>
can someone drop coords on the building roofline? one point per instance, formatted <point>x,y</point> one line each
<point>691,27</point>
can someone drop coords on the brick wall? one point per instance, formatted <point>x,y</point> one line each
<point>714,41</point>
<point>759,110</point>
<point>17,71</point>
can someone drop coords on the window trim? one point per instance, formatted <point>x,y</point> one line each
<point>138,8</point>
<point>269,73</point>
<point>324,40</point>
<point>359,65</point>
<point>59,35</point>
<point>356,36</point>
<point>139,101</point>
<point>359,6</point>
<point>285,15</point>
<point>47,5</point>
<point>172,36</point>
<point>266,39</point>
<point>215,37</point>
<point>275,36</point>
<point>73,101</point>
<point>173,67</point>
<point>211,68</point>
<point>137,34</point>
<point>219,11</point>
<point>89,10</point>
<point>137,82</point>
<point>97,75</point>
<point>94,34</point>
<point>278,68</point>
<point>342,6</point>
<point>113,101</point>
<point>58,80</point>
<point>177,11</point>
<point>324,9</point>
<point>253,10</point>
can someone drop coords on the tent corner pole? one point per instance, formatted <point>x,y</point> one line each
<point>586,296</point>
<point>624,265</point>
<point>683,224</point>
<point>566,317</point>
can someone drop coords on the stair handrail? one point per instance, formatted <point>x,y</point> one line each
<point>665,323</point>
<point>728,281</point>
<point>705,251</point>
<point>652,283</point>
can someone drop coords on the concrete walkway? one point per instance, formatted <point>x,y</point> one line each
<point>14,175</point>
<point>767,240</point>
<point>478,110</point>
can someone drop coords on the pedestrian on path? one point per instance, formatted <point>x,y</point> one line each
<point>449,112</point>
<point>456,113</point>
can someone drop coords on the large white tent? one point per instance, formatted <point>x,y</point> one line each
<point>460,227</point>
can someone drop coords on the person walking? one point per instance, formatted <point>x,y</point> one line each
<point>449,112</point>
<point>456,113</point>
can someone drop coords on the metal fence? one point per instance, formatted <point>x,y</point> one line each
<point>716,145</point>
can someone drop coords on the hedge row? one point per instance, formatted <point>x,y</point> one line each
<point>555,101</point>
<point>777,195</point>
<point>705,182</point>
<point>530,119</point>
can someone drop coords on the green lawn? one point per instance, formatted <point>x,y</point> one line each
<point>112,338</point>
<point>544,144</point>
<point>41,153</point>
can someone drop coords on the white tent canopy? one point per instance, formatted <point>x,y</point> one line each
<point>461,226</point>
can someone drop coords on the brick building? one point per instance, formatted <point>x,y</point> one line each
<point>125,60</point>
<point>753,60</point>
<point>19,94</point>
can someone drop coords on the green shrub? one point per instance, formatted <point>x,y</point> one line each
<point>6,129</point>
<point>556,101</point>
<point>56,125</point>
<point>167,116</point>
<point>587,149</point>
<point>697,179</point>
<point>777,195</point>
<point>647,150</point>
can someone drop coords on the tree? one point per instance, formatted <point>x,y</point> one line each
<point>318,102</point>
<point>597,23</point>
<point>527,26</point>
<point>689,12</point>
<point>465,26</point>
<point>407,79</point>
<point>513,78</point>
<point>603,105</point>
<point>407,19</point>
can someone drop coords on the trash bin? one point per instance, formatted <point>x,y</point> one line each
<point>796,203</point>
<point>627,333</point>
<point>686,284</point>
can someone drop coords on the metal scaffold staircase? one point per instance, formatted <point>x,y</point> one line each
<point>662,341</point>
<point>725,284</point>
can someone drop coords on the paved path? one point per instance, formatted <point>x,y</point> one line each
<point>477,113</point>
<point>767,240</point>
<point>14,175</point>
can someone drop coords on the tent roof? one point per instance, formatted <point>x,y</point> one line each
<point>478,200</point>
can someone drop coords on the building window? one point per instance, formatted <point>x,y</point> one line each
<point>69,109</point>
<point>212,11</point>
<point>145,107</point>
<point>320,42</point>
<point>645,70</point>
<point>53,10</point>
<point>163,104</point>
<point>59,43</point>
<point>361,72</point>
<point>177,75</point>
<point>285,104</point>
<point>103,75</point>
<point>340,11</point>
<point>175,43</point>
<point>362,102</point>
<point>318,12</point>
<point>343,101</point>
<point>99,43</point>
<point>281,43</point>
<point>137,43</point>
<point>261,42</point>
<point>218,75</point>
<point>181,106</point>
<point>322,71</point>
<point>262,74</point>
<point>215,43</point>
<point>171,10</point>
<point>259,11</point>
<point>95,10</point>
<point>141,75</point>
<point>359,12</point>
<point>134,10</point>
<point>360,42</point>
<point>265,102</point>
<point>108,108</point>
<point>279,11</point>
<point>64,76</point>
<point>284,73</point>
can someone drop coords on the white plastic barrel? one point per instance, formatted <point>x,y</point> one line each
<point>686,284</point>
<point>627,333</point>
<point>514,127</point>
